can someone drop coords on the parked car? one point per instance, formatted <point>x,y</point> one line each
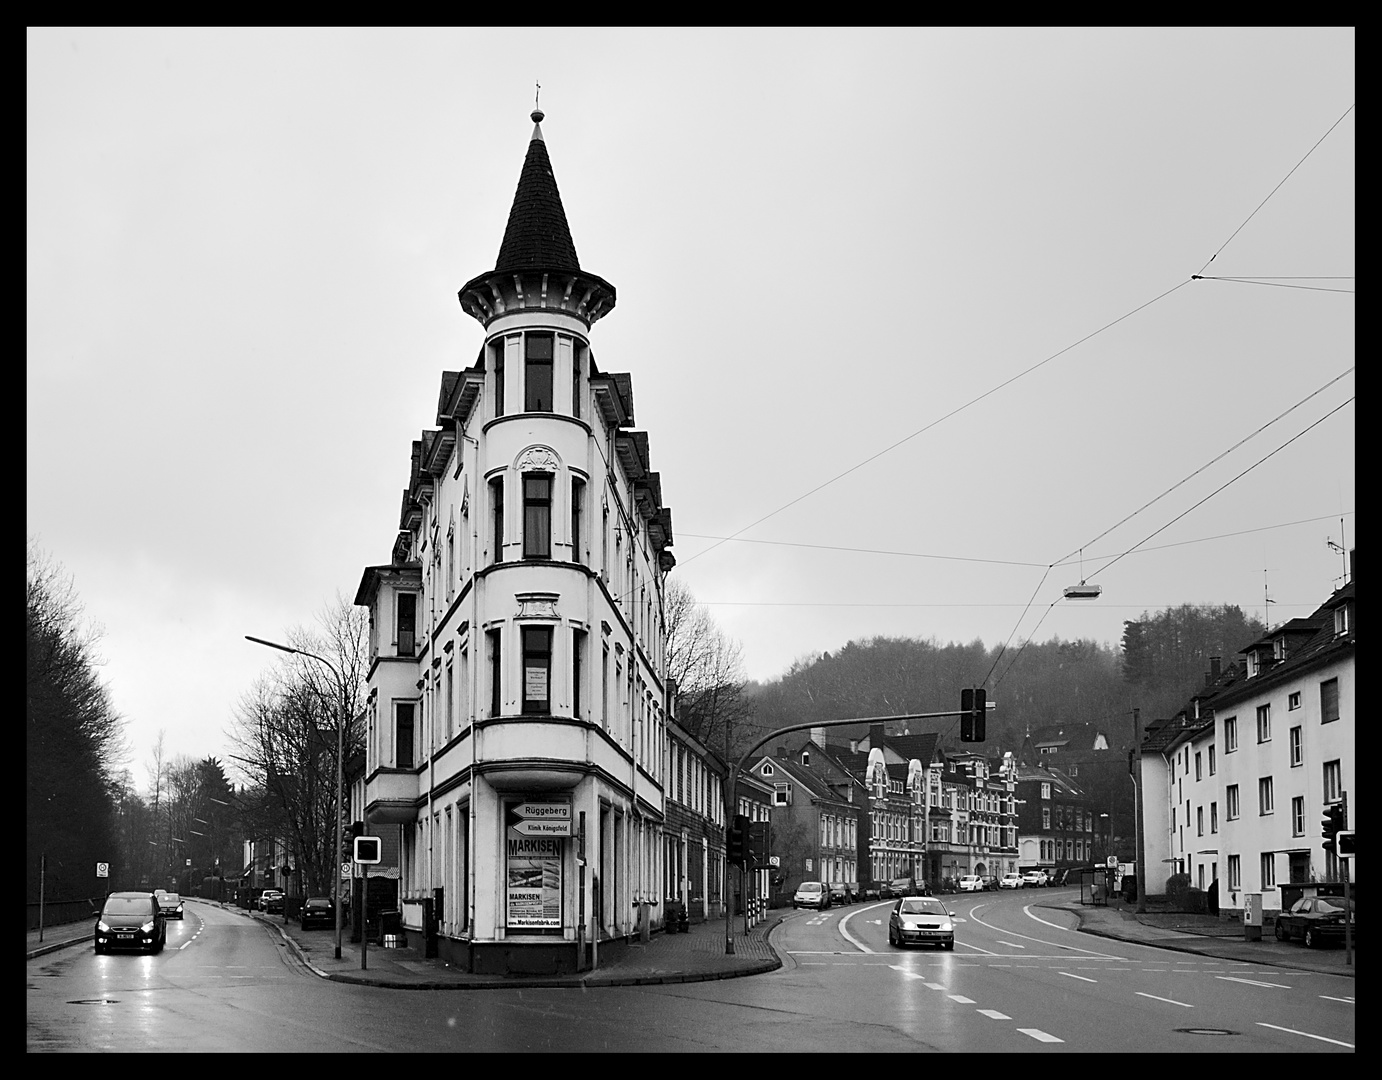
<point>920,920</point>
<point>318,911</point>
<point>869,891</point>
<point>271,901</point>
<point>840,893</point>
<point>971,883</point>
<point>1315,920</point>
<point>811,894</point>
<point>1010,881</point>
<point>1034,879</point>
<point>898,887</point>
<point>131,920</point>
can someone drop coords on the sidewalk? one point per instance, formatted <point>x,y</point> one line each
<point>699,955</point>
<point>1207,935</point>
<point>696,956</point>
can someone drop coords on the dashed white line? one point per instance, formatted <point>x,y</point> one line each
<point>961,999</point>
<point>1169,1001</point>
<point>1252,982</point>
<point>1012,944</point>
<point>1080,977</point>
<point>993,1014</point>
<point>933,986</point>
<point>1039,1035</point>
<point>1307,1034</point>
<point>1346,1001</point>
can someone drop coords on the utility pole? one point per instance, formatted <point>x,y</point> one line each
<point>1137,811</point>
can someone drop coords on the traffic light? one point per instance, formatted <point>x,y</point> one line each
<point>760,842</point>
<point>973,712</point>
<point>737,839</point>
<point>1334,823</point>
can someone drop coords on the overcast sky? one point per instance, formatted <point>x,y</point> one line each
<point>244,248</point>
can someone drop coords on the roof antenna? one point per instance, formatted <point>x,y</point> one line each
<point>537,109</point>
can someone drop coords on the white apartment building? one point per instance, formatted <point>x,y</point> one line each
<point>1235,788</point>
<point>516,702</point>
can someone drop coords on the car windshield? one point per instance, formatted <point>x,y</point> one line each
<point>811,886</point>
<point>170,898</point>
<point>921,905</point>
<point>319,903</point>
<point>127,905</point>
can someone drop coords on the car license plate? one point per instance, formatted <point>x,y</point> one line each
<point>124,935</point>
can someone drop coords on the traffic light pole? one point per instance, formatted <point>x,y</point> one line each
<point>732,781</point>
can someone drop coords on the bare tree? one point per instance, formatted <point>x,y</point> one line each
<point>706,666</point>
<point>285,730</point>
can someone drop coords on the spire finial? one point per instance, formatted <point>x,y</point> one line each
<point>537,111</point>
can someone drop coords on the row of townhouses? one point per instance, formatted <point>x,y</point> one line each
<point>1235,786</point>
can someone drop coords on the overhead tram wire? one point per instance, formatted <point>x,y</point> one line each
<point>1069,561</point>
<point>1222,486</point>
<point>1274,284</point>
<point>1274,190</point>
<point>1168,491</point>
<point>939,420</point>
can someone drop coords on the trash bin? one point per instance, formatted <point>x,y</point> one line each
<point>1129,887</point>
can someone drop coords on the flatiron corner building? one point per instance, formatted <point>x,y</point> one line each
<point>516,702</point>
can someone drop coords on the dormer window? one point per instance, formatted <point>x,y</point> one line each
<point>1342,621</point>
<point>806,758</point>
<point>1279,649</point>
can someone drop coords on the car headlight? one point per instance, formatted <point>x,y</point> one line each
<point>103,927</point>
<point>148,927</point>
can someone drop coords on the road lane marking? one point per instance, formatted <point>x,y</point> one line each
<point>1040,1035</point>
<point>1089,953</point>
<point>1307,1034</point>
<point>183,945</point>
<point>993,1014</point>
<point>1346,1001</point>
<point>1252,982</point>
<point>1169,1001</point>
<point>961,999</point>
<point>1012,944</point>
<point>1080,977</point>
<point>933,986</point>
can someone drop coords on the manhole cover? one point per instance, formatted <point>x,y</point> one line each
<point>1206,1031</point>
<point>95,1001</point>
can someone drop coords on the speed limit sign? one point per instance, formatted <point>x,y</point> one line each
<point>103,869</point>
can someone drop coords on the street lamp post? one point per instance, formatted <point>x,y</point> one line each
<point>340,780</point>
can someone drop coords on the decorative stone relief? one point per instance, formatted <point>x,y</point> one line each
<point>537,605</point>
<point>538,459</point>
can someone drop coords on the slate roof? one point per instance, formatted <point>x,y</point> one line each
<point>537,236</point>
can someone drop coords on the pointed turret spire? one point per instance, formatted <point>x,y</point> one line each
<point>537,235</point>
<point>537,249</point>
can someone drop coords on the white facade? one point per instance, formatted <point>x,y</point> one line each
<point>516,687</point>
<point>1239,798</point>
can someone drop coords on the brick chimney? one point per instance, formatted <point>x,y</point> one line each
<point>1214,668</point>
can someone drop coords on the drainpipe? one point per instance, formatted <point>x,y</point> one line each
<point>476,639</point>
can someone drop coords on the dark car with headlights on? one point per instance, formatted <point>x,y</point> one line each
<point>318,912</point>
<point>170,903</point>
<point>921,920</point>
<point>131,920</point>
<point>1316,920</point>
